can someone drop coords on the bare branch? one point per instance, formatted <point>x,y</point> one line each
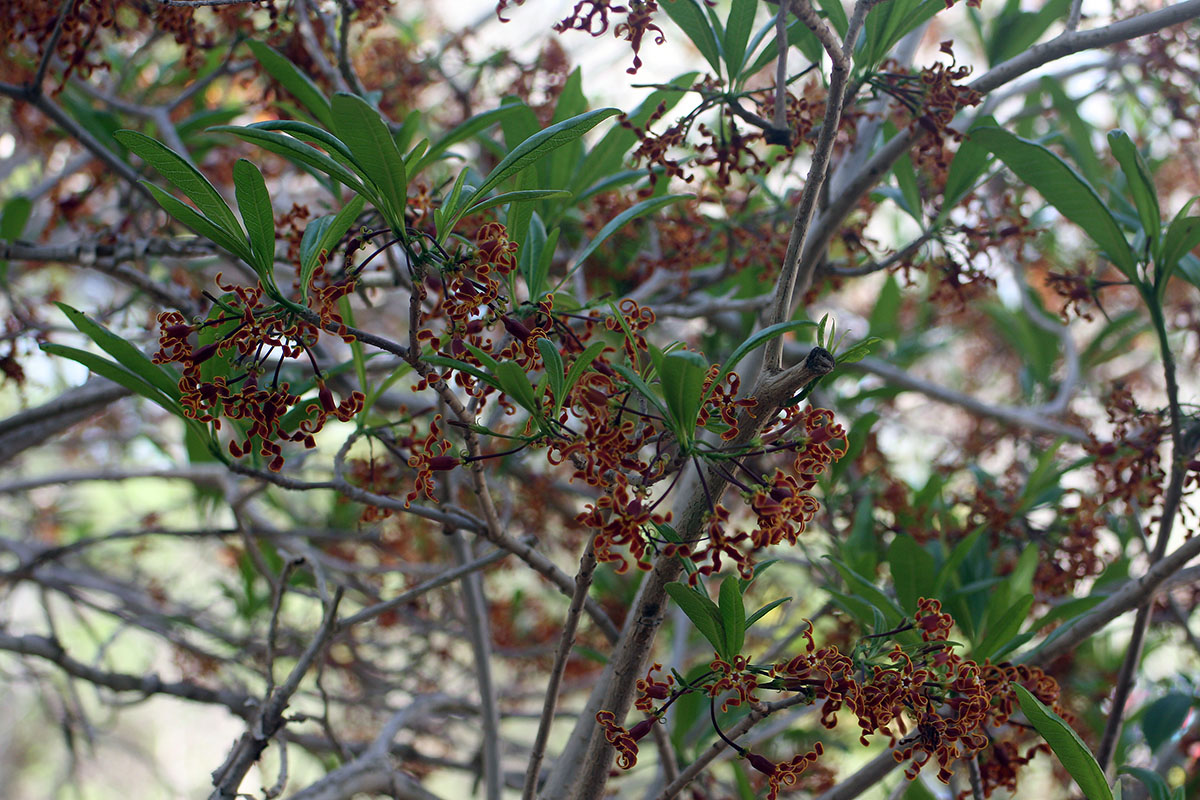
<point>583,580</point>
<point>269,719</point>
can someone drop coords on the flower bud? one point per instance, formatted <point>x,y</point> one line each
<point>642,728</point>
<point>443,463</point>
<point>202,354</point>
<point>516,328</point>
<point>761,763</point>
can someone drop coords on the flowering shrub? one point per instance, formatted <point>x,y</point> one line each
<point>478,386</point>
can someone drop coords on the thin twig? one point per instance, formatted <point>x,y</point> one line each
<point>583,580</point>
<point>44,64</point>
<point>269,720</point>
<point>976,778</point>
<point>476,610</point>
<point>1182,450</point>
<point>791,282</point>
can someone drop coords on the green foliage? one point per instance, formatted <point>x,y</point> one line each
<point>1072,753</point>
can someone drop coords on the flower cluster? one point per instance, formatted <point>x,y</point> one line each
<point>783,504</point>
<point>784,773</point>
<point>931,704</point>
<point>222,369</point>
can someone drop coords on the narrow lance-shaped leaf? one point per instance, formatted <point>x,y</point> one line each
<point>522,196</point>
<point>1063,188</point>
<point>1002,630</point>
<point>311,134</point>
<point>554,369</point>
<point>703,613</point>
<point>254,203</point>
<point>618,222</point>
<point>200,223</point>
<point>295,150</point>
<point>365,133</point>
<point>294,80</point>
<point>184,177</point>
<point>327,232</point>
<point>581,363</point>
<point>125,353</point>
<point>537,146</point>
<point>688,16</point>
<point>642,388</point>
<point>1183,235</point>
<point>1066,744</point>
<point>111,370</point>
<point>1158,788</point>
<point>682,375</point>
<point>13,217</point>
<point>738,26</point>
<point>733,614</point>
<point>1141,186</point>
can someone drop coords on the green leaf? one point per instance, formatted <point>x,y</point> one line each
<point>767,609</point>
<point>571,102</point>
<point>462,131</point>
<point>581,363</point>
<point>184,177</point>
<point>968,166</point>
<point>368,137</point>
<point>733,615</point>
<point>254,203</point>
<point>1154,783</point>
<point>682,374</point>
<point>485,358</point>
<point>515,383</point>
<point>322,235</point>
<point>1076,134</point>
<point>117,374</point>
<point>13,218</point>
<point>645,391</point>
<point>554,369</point>
<point>1064,189</point>
<point>1014,31</point>
<point>462,366</point>
<point>619,221</point>
<point>1164,718</point>
<point>1141,186</point>
<point>1066,744</point>
<point>858,352</point>
<point>888,23</point>
<point>738,26</point>
<point>912,571</point>
<point>312,135</point>
<point>539,145</point>
<point>294,80</point>
<point>949,569</point>
<point>297,151</point>
<point>703,613</point>
<point>868,591</point>
<point>200,223</point>
<point>859,549</point>
<point>693,22</point>
<point>522,196</point>
<point>1183,235</point>
<point>128,356</point>
<point>1003,630</point>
